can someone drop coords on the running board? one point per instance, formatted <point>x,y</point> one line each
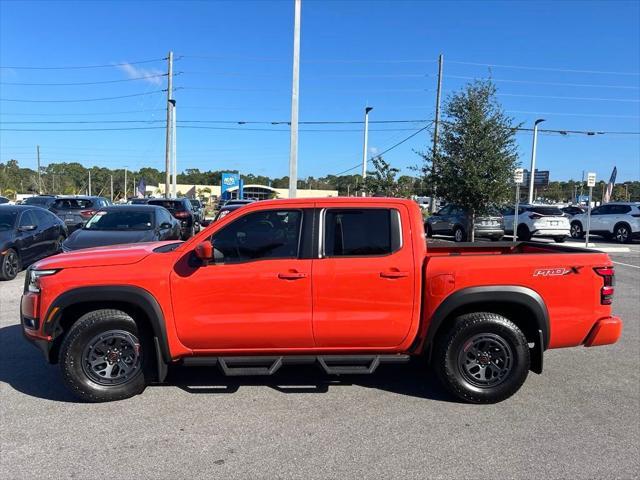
<point>268,365</point>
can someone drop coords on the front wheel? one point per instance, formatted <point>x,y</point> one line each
<point>482,358</point>
<point>576,230</point>
<point>458,234</point>
<point>10,265</point>
<point>622,233</point>
<point>104,357</point>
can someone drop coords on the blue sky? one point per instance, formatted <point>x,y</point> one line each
<point>235,64</point>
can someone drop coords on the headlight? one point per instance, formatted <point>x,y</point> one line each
<point>34,279</point>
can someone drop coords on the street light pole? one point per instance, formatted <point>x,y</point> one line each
<point>365,146</point>
<point>533,158</point>
<point>295,84</point>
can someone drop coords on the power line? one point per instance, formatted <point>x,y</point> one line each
<point>81,113</point>
<point>535,82</point>
<point>359,164</point>
<point>76,129</point>
<point>86,83</point>
<point>82,99</point>
<point>78,67</point>
<point>548,69</point>
<point>570,98</point>
<point>568,114</point>
<point>231,122</point>
<point>319,60</point>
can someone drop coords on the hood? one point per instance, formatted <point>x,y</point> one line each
<point>102,238</point>
<point>101,256</point>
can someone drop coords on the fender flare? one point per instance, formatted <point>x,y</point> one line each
<point>502,294</point>
<point>136,296</point>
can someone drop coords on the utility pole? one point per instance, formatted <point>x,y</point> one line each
<point>365,146</point>
<point>39,179</point>
<point>125,183</point>
<point>532,172</point>
<point>436,126</point>
<point>293,150</point>
<point>174,168</point>
<point>89,184</point>
<point>167,153</point>
<point>111,188</point>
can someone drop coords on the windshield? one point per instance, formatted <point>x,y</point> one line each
<point>168,204</point>
<point>106,220</point>
<point>7,220</point>
<point>72,204</point>
<point>37,201</point>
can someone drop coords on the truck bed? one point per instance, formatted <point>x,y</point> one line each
<point>448,249</point>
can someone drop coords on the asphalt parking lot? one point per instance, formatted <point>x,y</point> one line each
<point>580,419</point>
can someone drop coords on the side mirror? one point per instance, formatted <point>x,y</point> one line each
<point>27,228</point>
<point>165,226</point>
<point>204,251</point>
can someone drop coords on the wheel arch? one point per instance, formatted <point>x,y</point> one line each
<point>620,223</point>
<point>522,305</point>
<point>135,301</point>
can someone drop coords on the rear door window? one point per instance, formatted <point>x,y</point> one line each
<point>27,219</point>
<point>361,232</point>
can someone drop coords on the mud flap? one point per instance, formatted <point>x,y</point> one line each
<point>536,353</point>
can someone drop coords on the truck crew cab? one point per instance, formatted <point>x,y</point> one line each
<point>346,283</point>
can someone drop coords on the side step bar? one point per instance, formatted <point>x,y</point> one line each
<point>263,365</point>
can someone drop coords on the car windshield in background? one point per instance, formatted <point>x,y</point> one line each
<point>546,211</point>
<point>106,220</point>
<point>7,220</point>
<point>37,201</point>
<point>168,204</point>
<point>72,204</point>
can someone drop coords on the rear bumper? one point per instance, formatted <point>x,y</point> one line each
<point>605,332</point>
<point>556,232</point>
<point>489,232</point>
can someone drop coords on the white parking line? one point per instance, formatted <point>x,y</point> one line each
<point>626,265</point>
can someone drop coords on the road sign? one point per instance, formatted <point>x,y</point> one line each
<point>518,176</point>
<point>540,179</point>
<point>591,179</point>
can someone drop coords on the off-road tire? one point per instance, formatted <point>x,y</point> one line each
<point>449,356</point>
<point>72,356</point>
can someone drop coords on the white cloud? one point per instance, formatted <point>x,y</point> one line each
<point>373,150</point>
<point>137,72</point>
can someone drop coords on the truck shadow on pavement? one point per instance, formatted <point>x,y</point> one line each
<point>24,369</point>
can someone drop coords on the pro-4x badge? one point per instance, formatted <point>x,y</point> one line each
<point>555,271</point>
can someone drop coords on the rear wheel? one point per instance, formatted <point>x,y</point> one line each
<point>104,357</point>
<point>523,233</point>
<point>10,265</point>
<point>559,239</point>
<point>482,358</point>
<point>459,234</point>
<point>576,230</point>
<point>622,233</point>
<point>428,230</point>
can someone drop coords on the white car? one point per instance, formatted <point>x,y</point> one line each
<point>619,220</point>
<point>539,221</point>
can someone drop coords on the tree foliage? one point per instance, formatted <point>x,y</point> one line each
<point>476,153</point>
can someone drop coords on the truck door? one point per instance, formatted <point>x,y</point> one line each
<point>364,280</point>
<point>257,292</point>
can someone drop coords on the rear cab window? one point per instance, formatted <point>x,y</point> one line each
<point>353,232</point>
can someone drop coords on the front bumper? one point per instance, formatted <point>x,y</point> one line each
<point>31,325</point>
<point>605,332</point>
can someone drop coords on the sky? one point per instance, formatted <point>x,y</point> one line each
<point>575,63</point>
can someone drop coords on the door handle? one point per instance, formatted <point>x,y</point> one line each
<point>394,274</point>
<point>291,275</point>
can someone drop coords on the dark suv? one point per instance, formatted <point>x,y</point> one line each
<point>456,221</point>
<point>44,201</point>
<point>76,211</point>
<point>182,210</point>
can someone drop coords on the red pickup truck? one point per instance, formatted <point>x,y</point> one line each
<point>345,283</point>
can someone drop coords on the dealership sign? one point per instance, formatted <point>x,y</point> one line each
<point>230,181</point>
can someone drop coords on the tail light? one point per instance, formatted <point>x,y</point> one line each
<point>606,292</point>
<point>181,214</point>
<point>87,213</point>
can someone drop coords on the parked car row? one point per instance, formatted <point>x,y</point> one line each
<point>616,220</point>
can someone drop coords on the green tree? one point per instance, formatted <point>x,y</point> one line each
<point>381,181</point>
<point>476,153</point>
